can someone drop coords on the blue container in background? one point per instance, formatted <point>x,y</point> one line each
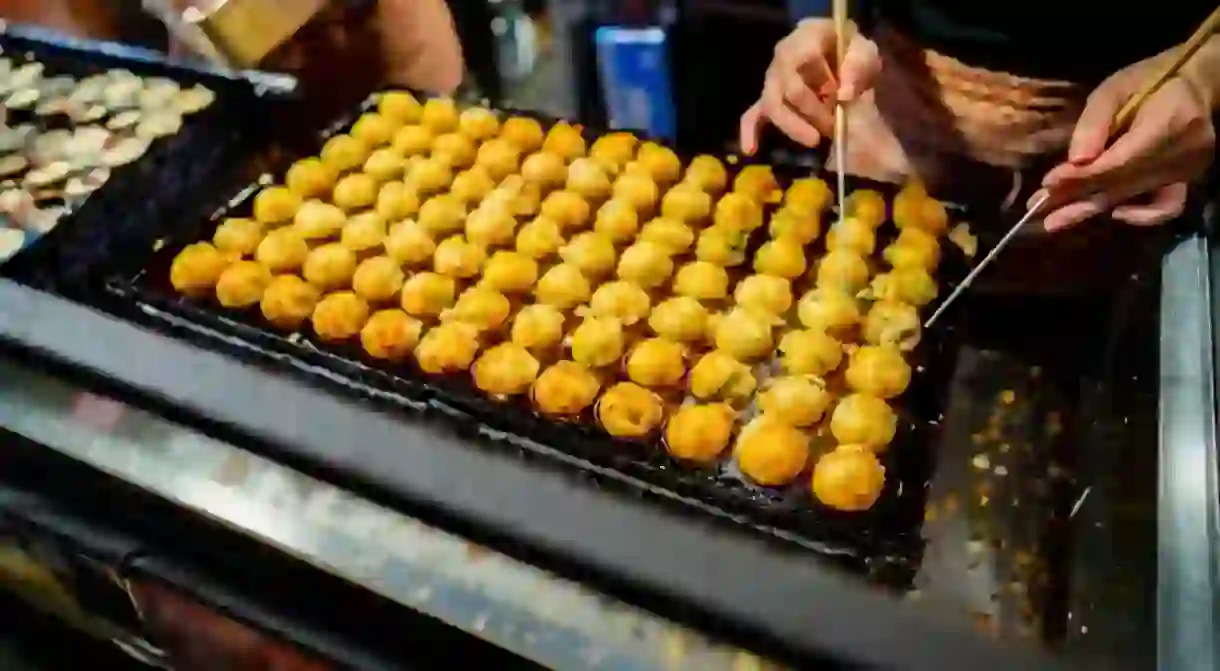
<point>633,66</point>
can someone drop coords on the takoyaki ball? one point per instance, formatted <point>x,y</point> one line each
<point>330,266</point>
<point>484,308</point>
<point>588,178</point>
<point>275,205</point>
<point>440,115</point>
<point>510,272</point>
<point>770,452</point>
<point>613,151</point>
<point>457,258</point>
<point>646,264</point>
<point>842,269</point>
<point>524,133</point>
<point>623,301</point>
<point>288,301</point>
<point>242,284</point>
<point>702,280</point>
<point>428,176</point>
<point>911,285</point>
<point>639,189</point>
<point>428,294</point>
<point>447,348</point>
<point>310,178</point>
<point>547,171</point>
<point>239,237</point>
<point>796,400</point>
<point>317,220</point>
<point>686,203</point>
<point>780,258</point>
<point>830,310</point>
<point>935,219</point>
<point>721,246</point>
<point>471,186</point>
<point>908,205</point>
<point>598,342</point>
<point>564,287</point>
<point>593,253</point>
<point>878,370</point>
<point>412,141</point>
<point>670,234</point>
<point>355,192</point>
<point>505,370</point>
<point>914,248</point>
<point>364,233</point>
<point>699,433</point>
<point>400,107</point>
<point>758,182</point>
<point>810,352</point>
<point>808,194</point>
<point>801,227</point>
<point>764,293</point>
<point>396,201</point>
<point>565,389</point>
<point>409,244</point>
<point>390,335</point>
<point>282,251</point>
<point>628,410</point>
<point>442,215</point>
<point>860,419</point>
<point>478,123</point>
<point>568,208</point>
<point>373,129</point>
<point>378,279</point>
<point>540,238</point>
<point>491,225</point>
<point>893,323</point>
<point>660,162</point>
<point>717,375</point>
<point>656,362</point>
<point>852,235</point>
<point>618,220</point>
<point>738,212</point>
<point>682,319</point>
<point>708,174</point>
<point>745,333</point>
<point>565,141</point>
<point>344,152</point>
<point>867,206</point>
<point>922,213</point>
<point>538,327</point>
<point>340,316</point>
<point>849,479</point>
<point>455,149</point>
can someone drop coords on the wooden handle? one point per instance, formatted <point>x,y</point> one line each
<point>1181,58</point>
<point>839,14</point>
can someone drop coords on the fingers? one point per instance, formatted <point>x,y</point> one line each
<point>1166,204</point>
<point>1093,128</point>
<point>1074,213</point>
<point>860,68</point>
<point>751,127</point>
<point>777,111</point>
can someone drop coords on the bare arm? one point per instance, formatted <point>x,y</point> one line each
<point>420,44</point>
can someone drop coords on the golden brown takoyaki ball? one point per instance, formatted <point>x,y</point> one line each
<point>564,287</point>
<point>764,293</point>
<point>340,316</point>
<point>628,410</point>
<point>646,264</point>
<point>310,178</point>
<point>377,279</point>
<point>471,186</point>
<point>491,225</point>
<point>878,370</point>
<point>478,123</point>
<point>914,248</point>
<point>671,234</point>
<point>699,433</point>
<point>242,284</point>
<point>623,301</point>
<point>745,333</point>
<point>237,236</point>
<point>780,258</point>
<point>892,323</point>
<point>412,141</point>
<point>288,301</point>
<point>848,479</point>
<point>660,162</point>
<point>510,272</point>
<point>515,195</point>
<point>409,244</point>
<point>853,235</point>
<point>482,307</point>
<point>842,269</point>
<point>565,389</point>
<point>429,176</point>
<point>385,164</point>
<point>355,192</point>
<point>455,149</point>
<point>538,326</point>
<point>758,182</point>
<point>505,370</point>
<point>282,251</point>
<point>440,115</point>
<point>905,285</point>
<point>618,220</point>
<point>934,218</point>
<point>330,267</point>
<point>796,400</point>
<point>598,342</point>
<point>317,220</point>
<point>810,352</point>
<point>908,205</point>
<point>547,171</point>
<point>721,246</point>
<point>686,203</point>
<point>428,294</point>
<point>718,375</point>
<point>738,212</point>
<point>568,208</point>
<point>400,107</point>
<point>396,201</point>
<point>540,238</point>
<point>447,348</point>
<point>593,253</point>
<point>808,194</point>
<point>457,258</point>
<point>373,129</point>
<point>275,205</point>
<point>867,206</point>
<point>770,452</point>
<point>442,215</point>
<point>708,174</point>
<point>565,141</point>
<point>390,335</point>
<point>830,310</point>
<point>524,133</point>
<point>860,419</point>
<point>795,226</point>
<point>344,152</point>
<point>614,151</point>
<point>639,189</point>
<point>589,179</point>
<point>702,281</point>
<point>364,233</point>
<point>681,318</point>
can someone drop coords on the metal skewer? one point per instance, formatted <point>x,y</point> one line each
<point>839,12</point>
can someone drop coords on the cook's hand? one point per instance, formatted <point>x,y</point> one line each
<point>1170,143</point>
<point>801,90</point>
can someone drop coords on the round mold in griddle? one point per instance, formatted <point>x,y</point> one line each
<point>159,124</point>
<point>26,76</point>
<point>158,93</point>
<point>121,94</point>
<point>23,98</point>
<point>124,120</point>
<point>125,151</point>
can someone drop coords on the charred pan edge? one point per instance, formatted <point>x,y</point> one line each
<point>802,607</point>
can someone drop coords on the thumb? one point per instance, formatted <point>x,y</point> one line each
<point>1093,128</point>
<point>859,70</point>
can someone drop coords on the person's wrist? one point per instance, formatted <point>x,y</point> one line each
<point>1203,73</point>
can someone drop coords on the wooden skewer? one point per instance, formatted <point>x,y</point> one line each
<point>839,13</point>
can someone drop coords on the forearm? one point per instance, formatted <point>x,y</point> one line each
<point>420,44</point>
<point>1203,71</point>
